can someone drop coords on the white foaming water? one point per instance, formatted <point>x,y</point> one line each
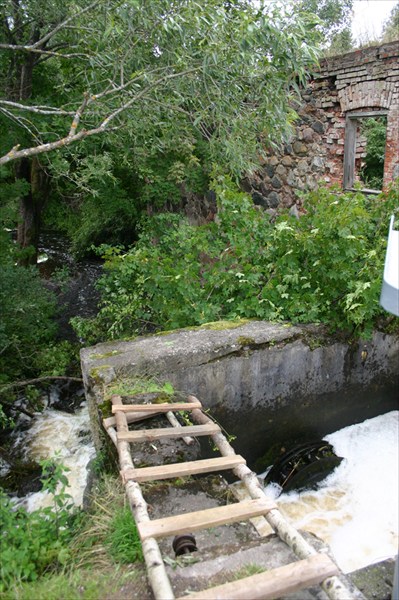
<point>66,436</point>
<point>356,509</point>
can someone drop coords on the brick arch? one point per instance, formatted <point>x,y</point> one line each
<point>366,94</point>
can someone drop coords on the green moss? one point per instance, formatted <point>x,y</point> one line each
<point>142,385</point>
<point>106,408</point>
<point>245,341</point>
<point>96,375</point>
<point>211,326</point>
<point>105,355</point>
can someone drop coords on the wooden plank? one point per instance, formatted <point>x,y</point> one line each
<point>273,584</point>
<point>163,407</point>
<point>203,519</point>
<point>131,417</point>
<point>349,152</point>
<point>149,435</point>
<point>209,465</point>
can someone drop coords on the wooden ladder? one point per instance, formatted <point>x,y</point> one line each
<point>313,568</point>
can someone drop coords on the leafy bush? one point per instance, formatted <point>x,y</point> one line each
<point>32,543</point>
<point>375,131</point>
<point>324,267</point>
<point>26,324</point>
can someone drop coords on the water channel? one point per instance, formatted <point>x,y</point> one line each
<point>354,509</point>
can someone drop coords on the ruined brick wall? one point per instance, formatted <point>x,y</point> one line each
<point>362,81</point>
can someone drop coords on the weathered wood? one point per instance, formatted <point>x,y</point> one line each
<point>194,467</point>
<point>203,519</point>
<point>175,423</point>
<point>333,586</point>
<point>153,558</point>
<point>349,152</point>
<point>149,435</point>
<point>131,417</point>
<point>273,584</point>
<point>163,407</point>
<point>135,417</point>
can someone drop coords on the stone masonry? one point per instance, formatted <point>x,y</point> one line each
<point>362,81</point>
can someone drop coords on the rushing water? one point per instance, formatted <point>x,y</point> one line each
<point>355,510</point>
<point>65,436</point>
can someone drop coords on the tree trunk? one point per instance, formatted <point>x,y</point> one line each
<point>19,85</point>
<point>31,208</point>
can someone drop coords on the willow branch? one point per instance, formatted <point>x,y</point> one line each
<point>48,53</point>
<point>78,115</point>
<point>62,25</point>
<point>74,135</point>
<point>40,110</point>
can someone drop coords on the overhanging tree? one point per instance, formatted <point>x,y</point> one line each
<point>154,71</point>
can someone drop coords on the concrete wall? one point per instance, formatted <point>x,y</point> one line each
<point>257,365</point>
<point>362,81</point>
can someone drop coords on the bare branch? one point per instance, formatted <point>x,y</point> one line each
<point>20,121</point>
<point>78,115</point>
<point>140,95</point>
<point>48,53</point>
<point>74,136</point>
<point>40,110</point>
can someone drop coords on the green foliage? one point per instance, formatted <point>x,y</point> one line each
<point>335,19</point>
<point>32,543</point>
<point>161,72</point>
<point>391,27</point>
<point>123,539</point>
<point>375,131</point>
<point>325,267</point>
<point>26,324</point>
<point>57,358</point>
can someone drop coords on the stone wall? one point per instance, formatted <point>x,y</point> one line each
<point>362,81</point>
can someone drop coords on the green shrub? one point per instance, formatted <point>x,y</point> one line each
<point>32,543</point>
<point>324,267</point>
<point>26,320</point>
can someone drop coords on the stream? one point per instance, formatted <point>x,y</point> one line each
<point>354,509</point>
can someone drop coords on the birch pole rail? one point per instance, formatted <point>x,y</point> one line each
<point>152,555</point>
<point>333,586</point>
<point>313,568</point>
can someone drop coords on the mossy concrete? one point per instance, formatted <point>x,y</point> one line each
<point>244,366</point>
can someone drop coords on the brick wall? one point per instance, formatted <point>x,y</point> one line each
<point>362,81</point>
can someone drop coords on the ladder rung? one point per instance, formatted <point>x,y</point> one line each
<point>163,407</point>
<point>183,469</point>
<point>276,583</point>
<point>149,435</point>
<point>203,519</point>
<point>131,417</point>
